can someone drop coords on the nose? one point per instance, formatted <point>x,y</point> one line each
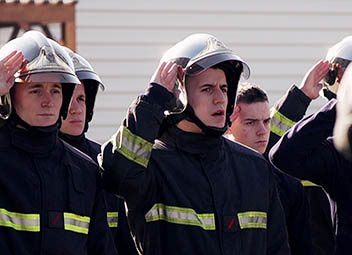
<point>47,100</point>
<point>263,129</point>
<point>219,96</point>
<point>74,108</point>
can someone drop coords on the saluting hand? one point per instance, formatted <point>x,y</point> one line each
<point>8,67</point>
<point>166,75</point>
<point>312,81</point>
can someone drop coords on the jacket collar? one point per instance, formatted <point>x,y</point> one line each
<point>193,143</point>
<point>39,141</point>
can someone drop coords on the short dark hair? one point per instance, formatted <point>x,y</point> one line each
<point>248,93</point>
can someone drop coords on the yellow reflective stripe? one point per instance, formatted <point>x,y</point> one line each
<point>132,146</point>
<point>181,215</point>
<point>252,219</point>
<point>20,221</point>
<point>76,223</point>
<point>306,183</point>
<point>112,219</point>
<point>279,123</point>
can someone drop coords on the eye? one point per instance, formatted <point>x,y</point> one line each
<point>34,91</point>
<point>249,123</point>
<point>206,89</point>
<point>81,99</point>
<point>56,91</point>
<point>224,89</point>
<point>267,121</point>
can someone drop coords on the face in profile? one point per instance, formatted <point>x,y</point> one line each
<point>76,116</point>
<point>38,104</point>
<point>207,95</point>
<point>251,126</point>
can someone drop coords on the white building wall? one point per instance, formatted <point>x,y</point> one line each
<point>124,41</point>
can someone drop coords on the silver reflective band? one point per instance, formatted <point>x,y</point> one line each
<point>132,146</point>
<point>252,219</point>
<point>76,223</point>
<point>280,123</point>
<point>20,221</point>
<point>113,218</point>
<point>181,215</point>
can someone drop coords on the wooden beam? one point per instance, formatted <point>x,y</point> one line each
<point>23,16</point>
<point>36,13</point>
<point>68,32</point>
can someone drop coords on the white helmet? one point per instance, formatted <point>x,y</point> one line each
<point>197,53</point>
<point>45,61</point>
<point>341,54</point>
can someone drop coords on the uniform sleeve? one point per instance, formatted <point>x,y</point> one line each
<point>124,238</point>
<point>306,152</point>
<point>100,240</point>
<point>125,157</point>
<point>277,232</point>
<point>286,112</point>
<point>298,222</point>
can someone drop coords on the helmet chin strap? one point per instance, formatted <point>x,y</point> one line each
<point>208,130</point>
<point>328,94</point>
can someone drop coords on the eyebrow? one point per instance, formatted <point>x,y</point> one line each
<point>250,119</point>
<point>213,85</point>
<point>247,119</point>
<point>36,85</point>
<point>39,85</point>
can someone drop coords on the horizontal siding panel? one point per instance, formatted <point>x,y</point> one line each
<point>108,117</point>
<point>202,21</point>
<point>150,52</point>
<point>131,84</point>
<point>165,37</point>
<point>112,101</point>
<point>101,134</point>
<point>270,6</point>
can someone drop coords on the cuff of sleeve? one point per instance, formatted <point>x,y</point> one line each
<point>300,95</point>
<point>157,94</point>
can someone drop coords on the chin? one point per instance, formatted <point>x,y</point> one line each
<point>46,124</point>
<point>216,125</point>
<point>261,150</point>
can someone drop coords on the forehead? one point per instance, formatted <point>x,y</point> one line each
<point>257,110</point>
<point>79,89</point>
<point>209,76</point>
<point>30,85</point>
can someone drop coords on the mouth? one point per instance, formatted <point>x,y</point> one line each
<point>46,114</point>
<point>75,121</point>
<point>219,113</point>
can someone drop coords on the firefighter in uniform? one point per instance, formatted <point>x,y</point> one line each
<point>251,127</point>
<point>51,199</point>
<point>188,189</point>
<point>307,150</point>
<point>73,130</point>
<point>284,114</point>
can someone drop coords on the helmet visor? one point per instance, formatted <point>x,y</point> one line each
<point>196,67</point>
<point>53,77</point>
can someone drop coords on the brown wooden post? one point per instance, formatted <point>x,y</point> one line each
<point>25,15</point>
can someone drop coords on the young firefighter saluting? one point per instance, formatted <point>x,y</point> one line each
<point>188,189</point>
<point>51,200</point>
